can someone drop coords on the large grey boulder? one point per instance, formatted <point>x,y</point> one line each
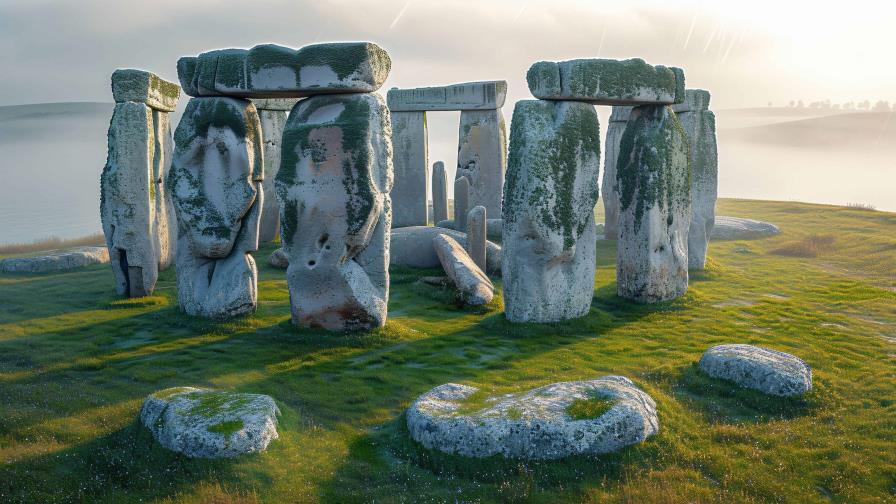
<point>412,247</point>
<point>272,113</point>
<point>699,123</point>
<point>483,95</point>
<point>279,259</point>
<point>494,228</point>
<point>769,371</point>
<point>609,188</point>
<point>135,206</point>
<point>482,157</point>
<point>57,260</point>
<point>336,213</point>
<point>653,175</point>
<point>204,423</point>
<point>411,164</point>
<point>215,183</point>
<point>606,82</point>
<point>273,71</point>
<point>536,424</point>
<point>549,233</point>
<point>738,228</point>
<point>473,285</point>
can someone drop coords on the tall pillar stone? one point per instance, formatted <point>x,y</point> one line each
<point>439,192</point>
<point>409,194</point>
<point>216,184</point>
<point>461,203</point>
<point>136,209</point>
<point>551,189</point>
<point>609,189</point>
<point>482,156</point>
<point>272,113</point>
<point>655,205</point>
<point>476,235</point>
<point>336,213</point>
<point>699,124</point>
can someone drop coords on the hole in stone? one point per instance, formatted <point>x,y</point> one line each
<point>311,263</point>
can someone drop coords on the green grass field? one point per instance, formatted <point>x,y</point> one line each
<point>76,362</point>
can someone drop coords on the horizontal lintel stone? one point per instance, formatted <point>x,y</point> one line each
<point>483,95</point>
<point>132,85</point>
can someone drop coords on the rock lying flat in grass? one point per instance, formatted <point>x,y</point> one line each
<point>57,260</point>
<point>273,71</point>
<point>140,86</point>
<point>279,259</point>
<point>544,423</point>
<point>473,285</point>
<point>737,228</point>
<point>493,227</point>
<point>412,247</point>
<point>769,371</point>
<point>606,82</point>
<point>203,423</point>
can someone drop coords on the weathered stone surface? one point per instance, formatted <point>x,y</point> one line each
<point>204,423</point>
<point>769,371</point>
<point>461,203</point>
<point>56,260</point>
<point>135,206</point>
<point>412,247</point>
<point>482,157</point>
<point>467,96</point>
<point>279,104</point>
<point>272,71</point>
<point>476,235</point>
<point>609,188</point>
<point>655,207</point>
<point>700,126</point>
<point>606,82</point>
<point>439,192</point>
<point>494,227</point>
<point>473,285</point>
<point>140,86</point>
<point>279,259</point>
<point>549,234</point>
<point>272,124</point>
<point>215,183</point>
<point>336,214</point>
<point>738,228</point>
<point>411,159</point>
<point>535,424</point>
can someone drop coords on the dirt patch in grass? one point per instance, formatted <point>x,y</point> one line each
<point>809,246</point>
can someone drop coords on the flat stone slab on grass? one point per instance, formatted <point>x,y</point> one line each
<point>140,86</point>
<point>738,228</point>
<point>473,285</point>
<point>412,247</point>
<point>493,227</point>
<point>56,260</point>
<point>768,371</point>
<point>538,424</point>
<point>204,423</point>
<point>606,82</point>
<point>467,96</point>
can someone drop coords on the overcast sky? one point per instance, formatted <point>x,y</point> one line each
<point>746,53</point>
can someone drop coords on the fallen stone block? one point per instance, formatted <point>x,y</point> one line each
<point>768,371</point>
<point>738,228</point>
<point>473,285</point>
<point>56,260</point>
<point>412,247</point>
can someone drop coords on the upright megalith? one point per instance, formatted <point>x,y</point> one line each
<point>609,188</point>
<point>653,175</point>
<point>216,184</point>
<point>606,82</point>
<point>439,192</point>
<point>335,210</point>
<point>699,124</point>
<point>549,233</point>
<point>461,203</point>
<point>409,138</point>
<point>272,113</point>
<point>476,235</point>
<point>135,206</point>
<point>482,156</point>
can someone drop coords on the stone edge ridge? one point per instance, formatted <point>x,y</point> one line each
<point>141,86</point>
<point>394,100</point>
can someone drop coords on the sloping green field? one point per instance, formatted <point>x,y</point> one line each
<point>76,362</point>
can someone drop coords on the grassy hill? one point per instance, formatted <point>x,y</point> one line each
<point>838,131</point>
<point>76,362</point>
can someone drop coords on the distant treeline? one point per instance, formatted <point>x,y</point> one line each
<point>867,105</point>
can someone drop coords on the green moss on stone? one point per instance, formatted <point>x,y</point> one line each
<point>587,409</point>
<point>210,404</point>
<point>227,427</point>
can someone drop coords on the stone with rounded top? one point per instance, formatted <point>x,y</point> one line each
<point>534,425</point>
<point>482,95</point>
<point>439,192</point>
<point>476,235</point>
<point>739,228</point>
<point>474,287</point>
<point>606,82</point>
<point>461,203</point>
<point>763,369</point>
<point>205,423</point>
<point>132,85</point>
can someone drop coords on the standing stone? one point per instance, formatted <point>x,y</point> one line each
<point>609,188</point>
<point>461,203</point>
<point>476,235</point>
<point>482,156</point>
<point>135,207</point>
<point>272,113</point>
<point>216,183</point>
<point>439,192</point>
<point>699,124</point>
<point>411,158</point>
<point>335,210</point>
<point>655,206</point>
<point>549,233</point>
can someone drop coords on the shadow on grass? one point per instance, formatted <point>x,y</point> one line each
<point>723,401</point>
